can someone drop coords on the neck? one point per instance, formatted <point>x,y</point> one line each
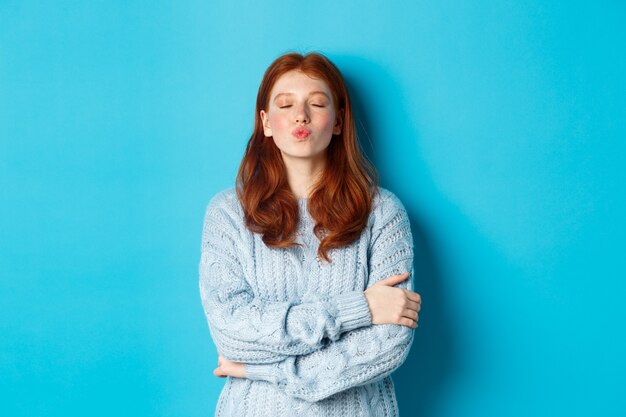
<point>302,174</point>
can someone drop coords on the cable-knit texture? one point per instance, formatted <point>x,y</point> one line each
<point>301,325</point>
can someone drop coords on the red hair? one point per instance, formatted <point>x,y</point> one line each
<point>340,200</point>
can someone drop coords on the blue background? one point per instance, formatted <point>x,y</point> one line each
<point>500,125</point>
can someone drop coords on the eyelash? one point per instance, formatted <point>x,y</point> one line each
<point>314,105</point>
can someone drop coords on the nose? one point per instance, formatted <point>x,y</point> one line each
<point>301,114</point>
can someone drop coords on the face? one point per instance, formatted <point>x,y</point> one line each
<point>301,116</point>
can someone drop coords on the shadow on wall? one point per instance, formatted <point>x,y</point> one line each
<point>382,121</point>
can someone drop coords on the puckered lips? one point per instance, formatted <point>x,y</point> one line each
<point>301,133</point>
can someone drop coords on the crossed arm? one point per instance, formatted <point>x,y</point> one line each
<point>314,348</point>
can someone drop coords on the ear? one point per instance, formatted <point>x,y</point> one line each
<point>267,130</point>
<point>338,125</point>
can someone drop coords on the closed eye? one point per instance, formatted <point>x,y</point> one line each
<point>284,107</point>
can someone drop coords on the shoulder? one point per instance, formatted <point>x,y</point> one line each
<point>226,198</point>
<point>386,203</point>
<point>388,215</point>
<point>224,206</point>
<point>389,222</point>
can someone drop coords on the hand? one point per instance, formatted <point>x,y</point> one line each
<point>227,368</point>
<point>390,305</point>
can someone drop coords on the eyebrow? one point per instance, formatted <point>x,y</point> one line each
<point>291,94</point>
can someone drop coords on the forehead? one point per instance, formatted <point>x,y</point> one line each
<point>298,82</point>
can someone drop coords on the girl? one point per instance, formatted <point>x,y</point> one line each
<point>306,264</point>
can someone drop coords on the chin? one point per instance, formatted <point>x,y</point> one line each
<point>302,155</point>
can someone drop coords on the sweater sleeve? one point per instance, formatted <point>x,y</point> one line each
<point>247,329</point>
<point>363,355</point>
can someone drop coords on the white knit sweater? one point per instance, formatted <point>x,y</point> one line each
<point>303,326</point>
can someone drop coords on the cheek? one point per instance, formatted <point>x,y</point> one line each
<point>327,121</point>
<point>278,121</point>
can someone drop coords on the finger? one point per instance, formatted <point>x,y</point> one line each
<point>407,322</point>
<point>411,314</point>
<point>412,305</point>
<point>393,279</point>
<point>413,296</point>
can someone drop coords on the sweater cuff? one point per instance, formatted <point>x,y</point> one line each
<point>263,372</point>
<point>353,311</point>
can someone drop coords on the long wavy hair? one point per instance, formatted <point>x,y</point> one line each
<point>341,198</point>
